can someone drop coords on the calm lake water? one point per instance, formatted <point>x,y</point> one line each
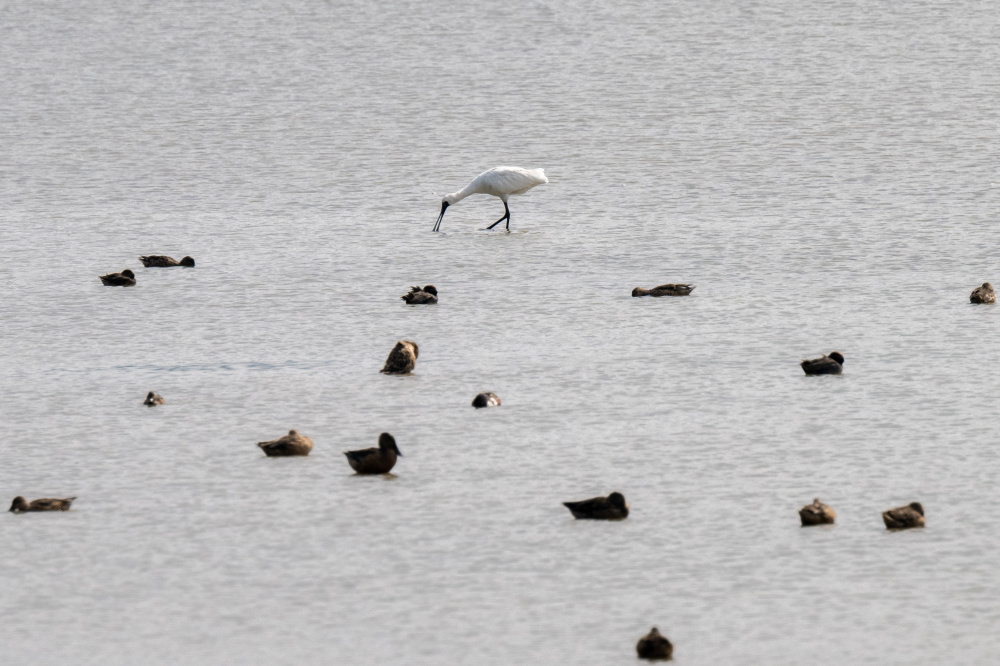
<point>825,173</point>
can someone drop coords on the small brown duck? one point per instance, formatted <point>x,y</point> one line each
<point>375,461</point>
<point>817,513</point>
<point>486,400</point>
<point>825,365</point>
<point>417,296</point>
<point>21,505</point>
<point>163,261</point>
<point>612,507</point>
<point>903,517</point>
<point>292,444</point>
<point>153,399</point>
<point>124,279</point>
<point>665,290</point>
<point>983,294</point>
<point>402,358</point>
<point>654,646</point>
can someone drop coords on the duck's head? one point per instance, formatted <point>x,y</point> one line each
<point>387,442</point>
<point>128,273</point>
<point>635,292</point>
<point>837,356</point>
<point>416,349</point>
<point>150,395</point>
<point>431,289</point>
<point>19,504</point>
<point>918,507</point>
<point>654,632</point>
<point>618,500</point>
<point>816,502</point>
<point>293,432</point>
<point>187,261</point>
<point>987,286</point>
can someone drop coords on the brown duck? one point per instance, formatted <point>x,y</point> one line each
<point>825,365</point>
<point>163,261</point>
<point>612,507</point>
<point>375,460</point>
<point>417,296</point>
<point>153,399</point>
<point>21,505</point>
<point>486,400</point>
<point>817,513</point>
<point>292,444</point>
<point>124,279</point>
<point>654,646</point>
<point>903,517</point>
<point>665,290</point>
<point>402,358</point>
<point>983,294</point>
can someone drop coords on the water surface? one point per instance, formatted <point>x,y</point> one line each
<point>824,173</point>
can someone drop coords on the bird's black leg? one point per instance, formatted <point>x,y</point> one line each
<point>506,216</point>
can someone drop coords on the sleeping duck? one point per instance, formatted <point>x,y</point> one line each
<point>825,365</point>
<point>903,517</point>
<point>612,507</point>
<point>817,513</point>
<point>654,646</point>
<point>665,290</point>
<point>486,400</point>
<point>402,358</point>
<point>292,444</point>
<point>124,279</point>
<point>163,261</point>
<point>417,296</point>
<point>21,505</point>
<point>983,294</point>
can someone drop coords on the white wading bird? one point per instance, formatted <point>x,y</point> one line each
<point>498,182</point>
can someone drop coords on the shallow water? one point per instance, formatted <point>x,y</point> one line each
<point>824,173</point>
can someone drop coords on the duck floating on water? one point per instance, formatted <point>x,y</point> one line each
<point>825,365</point>
<point>292,444</point>
<point>375,460</point>
<point>153,399</point>
<point>665,290</point>
<point>612,507</point>
<point>983,294</point>
<point>21,505</point>
<point>402,358</point>
<point>817,513</point>
<point>124,279</point>
<point>420,296</point>
<point>163,261</point>
<point>486,400</point>
<point>904,517</point>
<point>654,646</point>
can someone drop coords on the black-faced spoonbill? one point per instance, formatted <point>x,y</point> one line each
<point>498,182</point>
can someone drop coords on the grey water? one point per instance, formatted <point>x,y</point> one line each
<point>825,173</point>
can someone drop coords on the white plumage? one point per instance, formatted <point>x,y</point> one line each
<point>499,182</point>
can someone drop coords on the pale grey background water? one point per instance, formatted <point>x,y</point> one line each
<point>826,173</point>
